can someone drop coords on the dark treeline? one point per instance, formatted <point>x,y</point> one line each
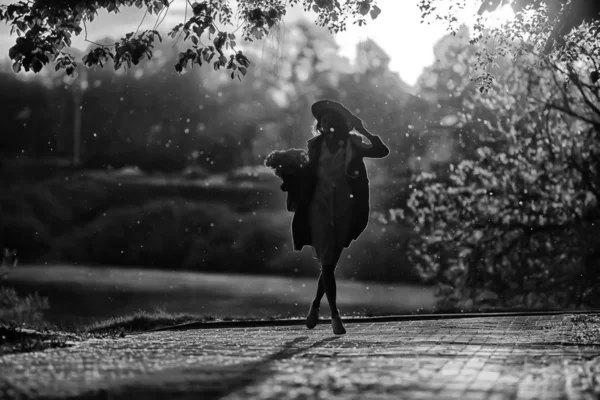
<point>158,120</point>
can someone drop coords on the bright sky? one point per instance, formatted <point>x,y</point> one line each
<point>398,30</point>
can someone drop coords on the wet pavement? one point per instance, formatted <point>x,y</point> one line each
<point>517,357</point>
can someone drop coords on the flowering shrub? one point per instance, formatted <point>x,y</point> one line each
<point>287,162</point>
<point>518,224</point>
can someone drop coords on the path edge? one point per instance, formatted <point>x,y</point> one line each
<point>360,320</point>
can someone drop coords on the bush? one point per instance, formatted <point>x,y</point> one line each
<point>27,235</point>
<point>177,234</point>
<point>85,198</point>
<point>379,254</point>
<point>47,208</point>
<point>21,310</point>
<point>195,172</point>
<point>14,309</point>
<point>14,203</point>
<point>147,159</point>
<point>258,173</point>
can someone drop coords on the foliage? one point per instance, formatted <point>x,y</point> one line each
<point>15,339</point>
<point>142,321</point>
<point>544,25</point>
<point>15,309</point>
<point>26,234</point>
<point>518,223</point>
<point>585,329</point>
<point>45,28</point>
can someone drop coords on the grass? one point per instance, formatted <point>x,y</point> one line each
<point>81,296</point>
<point>586,329</point>
<point>141,321</point>
<point>15,339</point>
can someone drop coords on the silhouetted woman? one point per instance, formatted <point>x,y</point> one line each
<point>332,203</point>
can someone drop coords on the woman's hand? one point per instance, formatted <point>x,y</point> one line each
<point>357,123</point>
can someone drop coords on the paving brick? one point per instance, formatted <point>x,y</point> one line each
<point>534,357</point>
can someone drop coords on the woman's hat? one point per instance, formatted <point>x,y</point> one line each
<point>321,106</point>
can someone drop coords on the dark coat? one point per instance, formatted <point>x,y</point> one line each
<point>301,189</point>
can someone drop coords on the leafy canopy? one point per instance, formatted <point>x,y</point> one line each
<point>517,223</point>
<point>543,27</point>
<point>45,28</point>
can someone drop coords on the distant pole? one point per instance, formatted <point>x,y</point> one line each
<point>77,129</point>
<point>78,89</point>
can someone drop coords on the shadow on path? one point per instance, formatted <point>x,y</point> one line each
<point>198,382</point>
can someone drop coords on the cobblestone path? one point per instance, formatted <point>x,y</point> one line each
<point>541,357</point>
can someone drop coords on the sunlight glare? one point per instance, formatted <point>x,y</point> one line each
<point>499,17</point>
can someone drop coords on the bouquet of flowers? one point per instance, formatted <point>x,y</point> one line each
<point>287,162</point>
<point>290,165</point>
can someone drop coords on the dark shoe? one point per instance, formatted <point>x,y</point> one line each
<point>337,325</point>
<point>313,317</point>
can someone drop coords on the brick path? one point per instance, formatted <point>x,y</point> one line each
<point>483,358</point>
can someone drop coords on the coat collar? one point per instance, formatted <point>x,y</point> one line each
<point>352,145</point>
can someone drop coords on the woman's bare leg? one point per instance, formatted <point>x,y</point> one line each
<point>320,292</point>
<point>312,319</point>
<point>328,276</point>
<point>328,280</point>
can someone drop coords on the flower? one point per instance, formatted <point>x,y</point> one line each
<point>287,162</point>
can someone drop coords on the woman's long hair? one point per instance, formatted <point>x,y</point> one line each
<point>340,125</point>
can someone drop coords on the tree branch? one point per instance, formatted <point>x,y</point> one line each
<point>89,41</point>
<point>184,21</point>
<point>141,22</point>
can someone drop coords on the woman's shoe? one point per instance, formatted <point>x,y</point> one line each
<point>337,325</point>
<point>313,317</point>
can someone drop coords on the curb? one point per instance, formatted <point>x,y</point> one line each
<point>361,320</point>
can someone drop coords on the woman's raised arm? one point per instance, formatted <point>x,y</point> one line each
<point>376,149</point>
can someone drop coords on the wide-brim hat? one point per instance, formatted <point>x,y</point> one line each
<point>322,106</point>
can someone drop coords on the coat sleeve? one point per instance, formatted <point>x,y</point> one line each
<point>377,149</point>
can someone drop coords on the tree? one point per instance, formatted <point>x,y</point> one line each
<point>45,29</point>
<point>563,14</point>
<point>543,24</point>
<point>453,121</point>
<point>519,224</point>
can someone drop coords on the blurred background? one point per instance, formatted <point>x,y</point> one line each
<point>145,189</point>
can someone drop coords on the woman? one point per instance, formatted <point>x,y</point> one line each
<point>333,208</point>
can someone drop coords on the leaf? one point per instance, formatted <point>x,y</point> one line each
<point>375,12</point>
<point>16,67</point>
<point>364,8</point>
<point>37,65</point>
